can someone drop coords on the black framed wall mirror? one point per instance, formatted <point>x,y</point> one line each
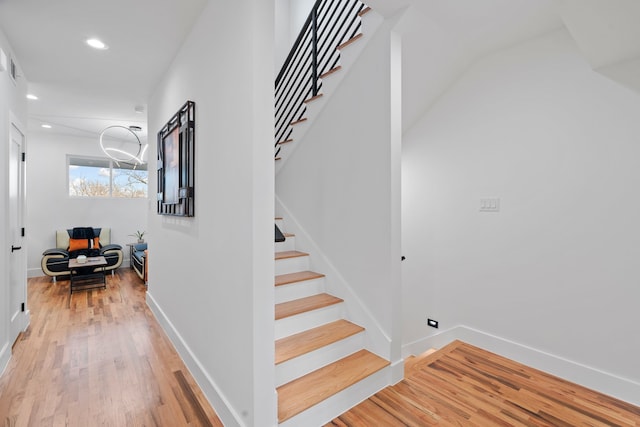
<point>176,163</point>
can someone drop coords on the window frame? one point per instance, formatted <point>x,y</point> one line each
<point>112,165</point>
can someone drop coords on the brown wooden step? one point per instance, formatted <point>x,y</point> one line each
<point>285,141</point>
<point>289,235</point>
<point>302,305</point>
<point>289,254</point>
<point>311,389</point>
<point>364,11</point>
<point>299,276</point>
<point>302,120</point>
<point>313,98</point>
<point>348,42</point>
<point>305,342</point>
<point>331,71</point>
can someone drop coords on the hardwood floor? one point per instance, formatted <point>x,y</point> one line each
<point>462,385</point>
<point>100,358</point>
<point>97,358</point>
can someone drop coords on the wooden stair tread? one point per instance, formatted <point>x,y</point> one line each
<point>285,141</point>
<point>289,235</point>
<point>331,71</point>
<point>299,276</point>
<point>289,254</point>
<point>313,98</point>
<point>302,305</point>
<point>364,11</point>
<point>348,42</point>
<point>302,120</point>
<point>311,389</point>
<point>307,341</point>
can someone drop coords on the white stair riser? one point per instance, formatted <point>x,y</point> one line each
<point>328,409</point>
<point>291,265</point>
<point>302,365</point>
<point>289,244</point>
<point>298,290</point>
<point>311,319</point>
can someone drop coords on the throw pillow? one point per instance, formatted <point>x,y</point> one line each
<point>77,244</point>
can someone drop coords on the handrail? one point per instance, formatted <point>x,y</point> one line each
<point>329,24</point>
<point>294,49</point>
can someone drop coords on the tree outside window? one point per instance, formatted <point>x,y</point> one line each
<point>96,177</point>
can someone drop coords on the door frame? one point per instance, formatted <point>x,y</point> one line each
<point>18,322</point>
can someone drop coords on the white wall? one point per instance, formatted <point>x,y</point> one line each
<point>340,184</point>
<point>282,31</point>
<point>557,268</point>
<point>50,208</point>
<point>12,104</point>
<point>299,12</point>
<point>290,15</point>
<point>211,276</point>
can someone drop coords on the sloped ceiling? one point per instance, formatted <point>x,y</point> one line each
<point>442,38</point>
<point>608,34</point>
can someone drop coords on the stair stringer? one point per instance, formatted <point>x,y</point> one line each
<point>371,22</point>
<point>376,340</point>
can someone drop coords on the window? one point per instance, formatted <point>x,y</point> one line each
<point>96,177</point>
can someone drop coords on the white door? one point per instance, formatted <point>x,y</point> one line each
<point>17,263</point>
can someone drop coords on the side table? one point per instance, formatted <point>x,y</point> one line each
<point>76,278</point>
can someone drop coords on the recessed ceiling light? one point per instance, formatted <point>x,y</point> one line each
<point>31,96</point>
<point>46,126</point>
<point>97,44</point>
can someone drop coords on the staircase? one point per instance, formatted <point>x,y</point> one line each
<point>332,26</point>
<point>322,366</point>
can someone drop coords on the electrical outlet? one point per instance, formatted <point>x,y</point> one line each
<point>432,323</point>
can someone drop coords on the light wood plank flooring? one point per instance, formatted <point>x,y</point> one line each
<point>97,358</point>
<point>462,385</point>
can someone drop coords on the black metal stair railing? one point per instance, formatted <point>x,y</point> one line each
<point>330,24</point>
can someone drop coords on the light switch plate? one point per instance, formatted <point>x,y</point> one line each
<point>490,205</point>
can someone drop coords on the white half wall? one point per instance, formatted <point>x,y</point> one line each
<point>50,208</point>
<point>556,269</point>
<point>211,276</point>
<point>341,182</point>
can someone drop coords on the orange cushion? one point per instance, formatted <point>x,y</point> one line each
<point>77,244</point>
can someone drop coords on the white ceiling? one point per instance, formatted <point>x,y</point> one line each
<point>608,34</point>
<point>82,90</point>
<point>442,38</point>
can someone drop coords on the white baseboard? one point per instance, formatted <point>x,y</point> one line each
<point>216,398</point>
<point>397,371</point>
<point>34,272</point>
<point>603,382</point>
